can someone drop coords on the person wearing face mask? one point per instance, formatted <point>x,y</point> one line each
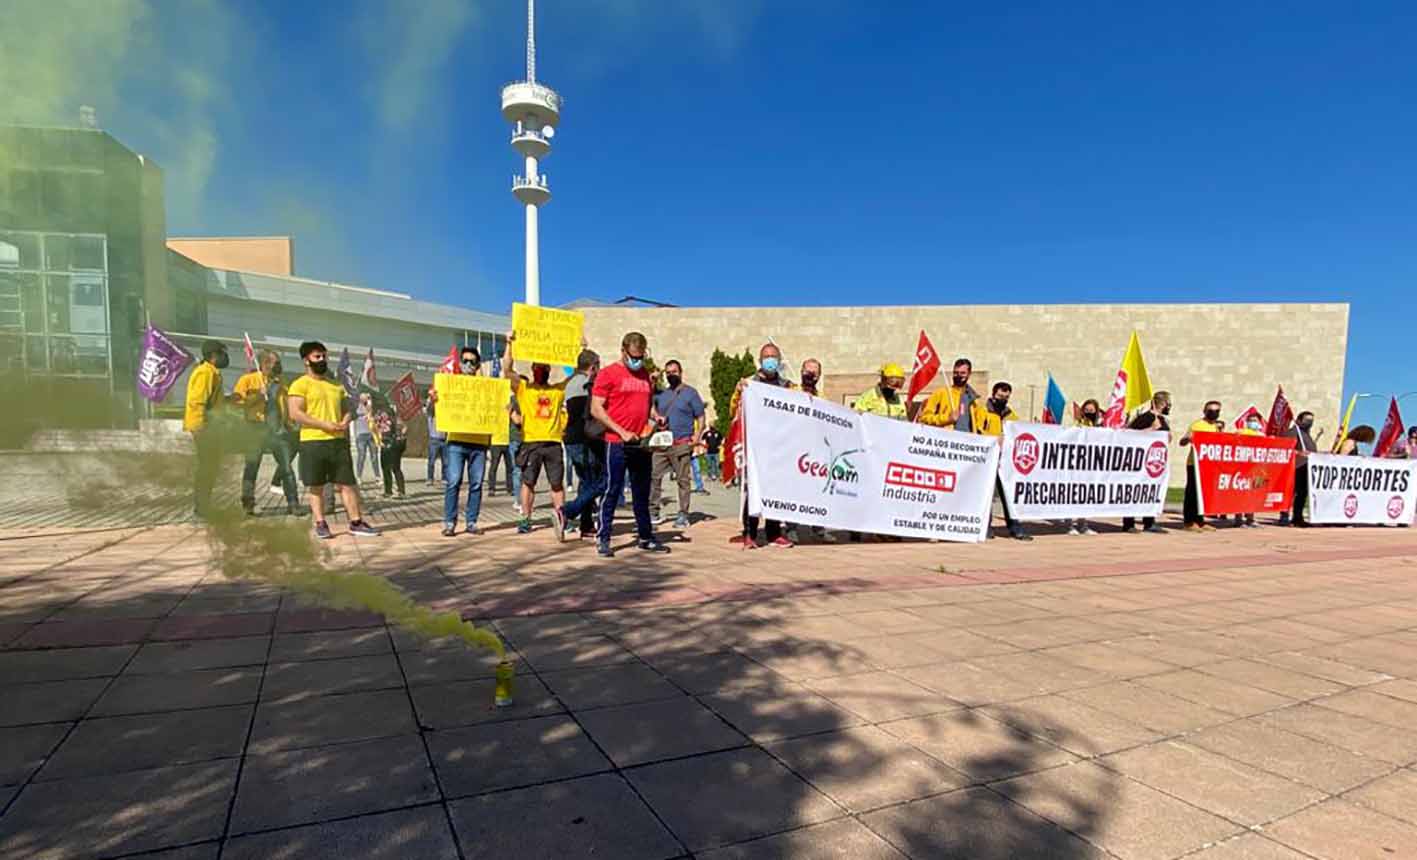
<point>769,372</point>
<point>1155,418</point>
<point>1305,445</point>
<point>884,397</point>
<point>204,396</point>
<point>261,395</point>
<point>680,410</point>
<point>364,437</point>
<point>586,452</point>
<point>1090,415</point>
<point>1254,426</point>
<point>322,410</point>
<point>811,377</point>
<point>950,406</point>
<point>988,419</point>
<point>464,456</point>
<point>1208,423</point>
<point>542,405</point>
<point>621,403</point>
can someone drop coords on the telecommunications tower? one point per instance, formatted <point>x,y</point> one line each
<point>533,109</point>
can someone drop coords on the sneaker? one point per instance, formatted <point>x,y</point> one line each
<point>473,530</point>
<point>450,529</point>
<point>523,526</point>
<point>1207,527</point>
<point>401,494</point>
<point>1154,529</point>
<point>681,521</point>
<point>1195,528</point>
<point>605,551</point>
<point>359,528</point>
<point>782,543</point>
<point>322,531</point>
<point>739,539</point>
<point>558,524</point>
<point>387,494</point>
<point>659,519</point>
<point>1073,530</point>
<point>653,545</point>
<point>276,488</point>
<point>1089,530</point>
<point>1021,535</point>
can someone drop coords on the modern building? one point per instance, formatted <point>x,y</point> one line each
<point>85,262</point>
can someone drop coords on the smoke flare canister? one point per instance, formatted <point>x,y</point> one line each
<point>502,696</point>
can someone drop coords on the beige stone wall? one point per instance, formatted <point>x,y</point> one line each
<point>1236,353</point>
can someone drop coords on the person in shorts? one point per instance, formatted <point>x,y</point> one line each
<point>543,409</point>
<point>322,411</point>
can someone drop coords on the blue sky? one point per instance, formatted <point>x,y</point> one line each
<point>785,152</point>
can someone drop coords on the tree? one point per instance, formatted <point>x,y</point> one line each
<point>724,372</point>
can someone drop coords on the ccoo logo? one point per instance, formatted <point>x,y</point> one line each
<point>1025,453</point>
<point>1156,459</point>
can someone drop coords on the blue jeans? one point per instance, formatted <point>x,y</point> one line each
<point>365,443</point>
<point>698,477</point>
<point>436,451</point>
<point>589,465</point>
<point>463,457</point>
<point>711,465</point>
<point>619,459</point>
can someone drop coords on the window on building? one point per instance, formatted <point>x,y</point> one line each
<point>87,253</point>
<point>25,253</point>
<point>32,303</point>
<point>56,252</point>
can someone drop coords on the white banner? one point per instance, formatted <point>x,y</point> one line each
<point>814,462</point>
<point>1052,472</point>
<point>1361,490</point>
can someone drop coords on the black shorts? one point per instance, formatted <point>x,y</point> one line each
<point>326,461</point>
<point>533,456</point>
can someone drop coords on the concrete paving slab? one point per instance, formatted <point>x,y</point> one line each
<point>288,682</point>
<point>1126,818</point>
<point>880,695</point>
<point>599,815</point>
<point>328,644</point>
<point>1250,846</point>
<point>1275,679</point>
<point>1356,734</point>
<point>324,720</point>
<point>1394,795</point>
<point>438,663</point>
<point>717,799</point>
<point>574,653</point>
<point>23,749</point>
<point>213,626</point>
<point>652,731</point>
<point>1215,692</point>
<point>1323,766</point>
<point>713,671</point>
<point>477,759</point>
<point>1340,830</point>
<point>470,703</point>
<point>983,748</point>
<point>1373,706</point>
<point>1330,670</point>
<point>1109,659</point>
<point>421,832</point>
<point>1402,688</point>
<point>108,815</point>
<point>121,744</point>
<point>185,656</point>
<point>309,785</point>
<point>974,824</point>
<point>19,667</point>
<point>48,701</point>
<point>774,712</point>
<point>622,684</point>
<point>865,768</point>
<point>1148,707</point>
<point>1081,729</point>
<point>969,684</point>
<point>203,688</point>
<point>843,839</point>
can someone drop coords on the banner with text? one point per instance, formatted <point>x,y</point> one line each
<point>814,462</point>
<point>1361,490</point>
<point>472,404</point>
<point>547,335</point>
<point>1243,474</point>
<point>1052,472</point>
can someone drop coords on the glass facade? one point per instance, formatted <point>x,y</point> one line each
<point>54,304</point>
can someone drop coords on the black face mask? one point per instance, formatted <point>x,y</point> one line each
<point>221,360</point>
<point>960,381</point>
<point>809,378</point>
<point>1305,425</point>
<point>998,406</point>
<point>673,379</point>
<point>275,370</point>
<point>1212,414</point>
<point>541,375</point>
<point>320,367</point>
<point>1090,417</point>
<point>1166,410</point>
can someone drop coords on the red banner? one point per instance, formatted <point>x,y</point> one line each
<point>404,396</point>
<point>1243,474</point>
<point>733,451</point>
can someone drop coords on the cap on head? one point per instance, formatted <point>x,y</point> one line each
<point>891,370</point>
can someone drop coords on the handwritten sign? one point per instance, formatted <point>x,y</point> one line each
<point>472,404</point>
<point>547,335</point>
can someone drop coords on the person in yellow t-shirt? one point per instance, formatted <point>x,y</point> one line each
<point>543,410</point>
<point>987,419</point>
<point>950,406</point>
<point>1209,423</point>
<point>322,410</point>
<point>204,396</point>
<point>261,396</point>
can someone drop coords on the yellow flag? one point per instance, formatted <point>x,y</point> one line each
<point>1343,428</point>
<point>1138,383</point>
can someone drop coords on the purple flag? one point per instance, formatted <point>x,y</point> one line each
<point>160,365</point>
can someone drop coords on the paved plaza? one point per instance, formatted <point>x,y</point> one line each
<point>1240,694</point>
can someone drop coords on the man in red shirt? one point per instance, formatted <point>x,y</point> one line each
<point>622,400</point>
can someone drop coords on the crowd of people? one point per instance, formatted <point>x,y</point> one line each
<point>615,428</point>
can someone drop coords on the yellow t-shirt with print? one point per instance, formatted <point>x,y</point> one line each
<point>543,410</point>
<point>324,401</point>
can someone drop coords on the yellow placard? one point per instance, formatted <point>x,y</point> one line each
<point>547,335</point>
<point>472,405</point>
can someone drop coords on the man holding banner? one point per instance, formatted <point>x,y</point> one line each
<point>465,455</point>
<point>1209,422</point>
<point>1152,420</point>
<point>988,419</point>
<point>950,406</point>
<point>543,409</point>
<point>1304,445</point>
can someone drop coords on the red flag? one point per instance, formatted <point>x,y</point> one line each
<point>1077,413</point>
<point>250,352</point>
<point>1391,432</point>
<point>404,396</point>
<point>1116,415</point>
<point>733,451</point>
<point>367,376</point>
<point>927,364</point>
<point>1245,416</point>
<point>450,364</point>
<point>1280,415</point>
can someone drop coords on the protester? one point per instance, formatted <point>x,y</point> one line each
<point>987,418</point>
<point>884,398</point>
<point>811,376</point>
<point>1405,449</point>
<point>465,455</point>
<point>364,436</point>
<point>541,404</point>
<point>695,461</point>
<point>261,396</point>
<point>1089,416</point>
<point>392,434</point>
<point>1190,510</point>
<point>620,401</point>
<point>1304,444</point>
<point>586,452</point>
<point>1154,418</point>
<point>507,455</point>
<point>437,445</point>
<point>713,443</point>
<point>769,372</point>
<point>950,407</point>
<point>680,410</point>
<point>1363,434</point>
<point>322,410</point>
<point>1254,426</point>
<point>204,397</point>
